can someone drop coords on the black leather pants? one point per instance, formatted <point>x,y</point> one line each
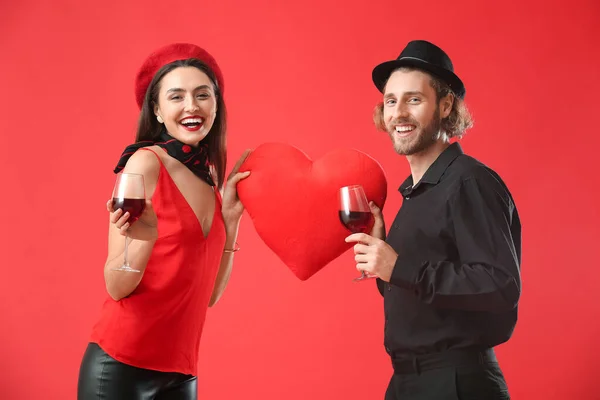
<point>103,377</point>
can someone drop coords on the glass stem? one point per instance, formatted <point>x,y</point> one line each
<point>125,262</point>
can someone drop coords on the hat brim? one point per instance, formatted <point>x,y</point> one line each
<point>382,72</point>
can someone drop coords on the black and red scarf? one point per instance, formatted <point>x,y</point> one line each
<point>195,158</point>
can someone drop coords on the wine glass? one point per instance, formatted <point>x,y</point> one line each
<point>129,195</point>
<point>355,213</point>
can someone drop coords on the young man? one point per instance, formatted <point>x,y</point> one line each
<point>449,269</point>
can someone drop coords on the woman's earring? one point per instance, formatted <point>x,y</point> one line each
<point>159,119</point>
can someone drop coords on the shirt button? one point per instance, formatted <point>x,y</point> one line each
<point>389,287</point>
<point>407,197</point>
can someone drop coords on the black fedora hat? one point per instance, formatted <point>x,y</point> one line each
<point>425,56</point>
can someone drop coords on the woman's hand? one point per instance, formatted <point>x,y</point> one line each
<point>232,206</point>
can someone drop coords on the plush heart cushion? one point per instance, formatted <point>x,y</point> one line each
<point>294,202</point>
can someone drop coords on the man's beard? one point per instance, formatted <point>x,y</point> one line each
<point>420,140</point>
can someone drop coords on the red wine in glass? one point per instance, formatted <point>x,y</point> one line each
<point>355,213</point>
<point>129,195</point>
<point>356,221</point>
<point>135,207</point>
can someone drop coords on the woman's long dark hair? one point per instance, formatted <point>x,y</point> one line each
<point>150,129</point>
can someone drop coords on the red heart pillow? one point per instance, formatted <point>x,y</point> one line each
<point>293,201</point>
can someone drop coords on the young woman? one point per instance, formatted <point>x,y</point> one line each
<point>145,344</point>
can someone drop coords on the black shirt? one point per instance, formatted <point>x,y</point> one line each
<point>456,282</point>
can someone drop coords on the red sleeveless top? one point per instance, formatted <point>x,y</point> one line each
<point>158,326</point>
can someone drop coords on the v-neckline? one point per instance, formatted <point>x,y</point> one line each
<point>191,210</point>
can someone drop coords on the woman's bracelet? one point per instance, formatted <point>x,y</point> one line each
<point>236,248</point>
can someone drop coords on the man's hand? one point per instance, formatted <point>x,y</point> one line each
<point>373,256</point>
<point>378,230</point>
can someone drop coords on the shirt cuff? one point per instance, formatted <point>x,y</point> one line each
<point>404,274</point>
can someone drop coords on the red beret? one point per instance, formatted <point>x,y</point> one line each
<point>166,55</point>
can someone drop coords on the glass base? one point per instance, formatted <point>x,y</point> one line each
<point>126,268</point>
<point>363,277</point>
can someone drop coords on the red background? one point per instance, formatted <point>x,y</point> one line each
<point>296,72</point>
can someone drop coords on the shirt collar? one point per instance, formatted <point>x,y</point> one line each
<point>436,170</point>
